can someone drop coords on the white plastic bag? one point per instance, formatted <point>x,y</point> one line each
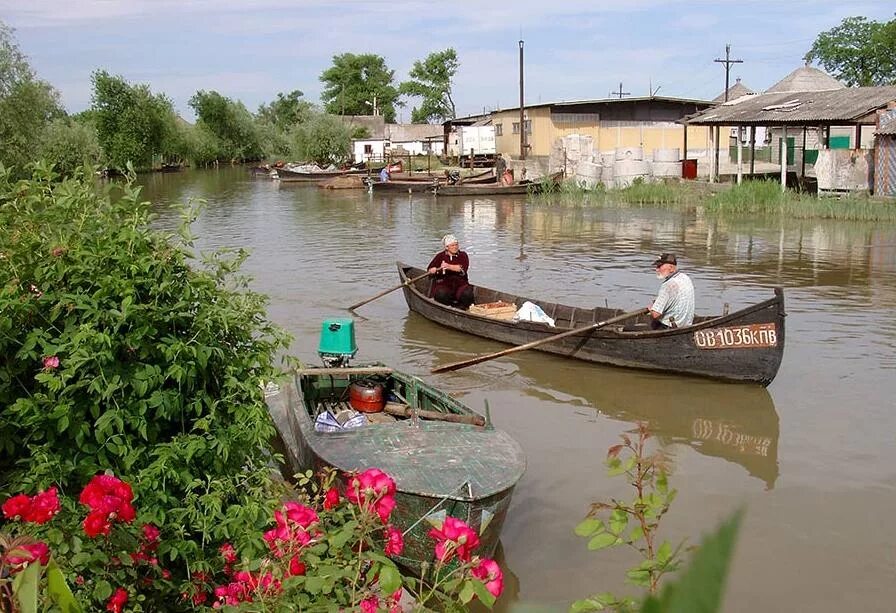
<point>532,312</point>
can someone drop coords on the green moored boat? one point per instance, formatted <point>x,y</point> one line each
<point>445,458</point>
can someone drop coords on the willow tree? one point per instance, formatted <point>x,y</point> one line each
<point>431,82</point>
<point>358,85</point>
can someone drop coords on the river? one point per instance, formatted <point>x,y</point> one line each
<point>812,458</point>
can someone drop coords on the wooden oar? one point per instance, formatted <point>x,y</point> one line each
<point>390,290</point>
<point>555,337</point>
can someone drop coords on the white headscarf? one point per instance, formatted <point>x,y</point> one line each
<point>449,239</point>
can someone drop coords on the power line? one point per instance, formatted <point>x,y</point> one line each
<point>727,61</point>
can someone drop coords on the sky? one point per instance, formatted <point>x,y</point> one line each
<point>250,50</point>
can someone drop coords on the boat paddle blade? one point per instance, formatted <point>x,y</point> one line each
<point>547,339</point>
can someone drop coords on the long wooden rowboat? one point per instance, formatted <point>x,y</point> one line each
<point>421,185</point>
<point>496,189</point>
<point>284,174</point>
<point>743,346</point>
<point>448,460</point>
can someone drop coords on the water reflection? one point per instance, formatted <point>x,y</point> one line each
<point>737,423</point>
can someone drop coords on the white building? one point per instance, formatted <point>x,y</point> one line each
<point>399,140</point>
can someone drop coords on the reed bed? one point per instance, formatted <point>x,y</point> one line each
<point>751,198</point>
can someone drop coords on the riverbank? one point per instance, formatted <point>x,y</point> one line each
<point>749,198</point>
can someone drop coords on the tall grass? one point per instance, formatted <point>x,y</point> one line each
<point>751,198</point>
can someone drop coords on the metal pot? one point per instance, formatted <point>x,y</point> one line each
<point>367,396</point>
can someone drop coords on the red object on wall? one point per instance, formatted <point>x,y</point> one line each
<point>689,169</point>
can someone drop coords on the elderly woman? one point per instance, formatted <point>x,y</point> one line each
<point>450,268</point>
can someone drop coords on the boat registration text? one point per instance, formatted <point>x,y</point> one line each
<point>737,337</point>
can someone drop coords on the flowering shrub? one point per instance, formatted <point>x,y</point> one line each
<point>123,352</point>
<point>324,550</point>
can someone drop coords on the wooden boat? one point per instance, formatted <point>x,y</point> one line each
<point>734,423</point>
<point>497,189</point>
<point>428,184</point>
<point>284,174</point>
<point>743,346</point>
<point>448,460</point>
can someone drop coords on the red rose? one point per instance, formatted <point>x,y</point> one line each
<point>117,600</point>
<point>16,507</point>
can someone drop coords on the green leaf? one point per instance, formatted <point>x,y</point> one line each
<point>699,588</point>
<point>59,590</point>
<point>390,579</point>
<point>601,541</point>
<point>339,539</point>
<point>25,585</point>
<point>636,534</point>
<point>482,593</point>
<point>589,527</point>
<point>103,590</point>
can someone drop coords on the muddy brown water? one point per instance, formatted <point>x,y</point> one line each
<point>811,457</point>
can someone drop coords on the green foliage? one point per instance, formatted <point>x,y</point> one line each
<point>230,122</point>
<point>27,106</point>
<point>160,363</point>
<point>353,81</point>
<point>70,144</point>
<point>286,111</point>
<point>202,147</point>
<point>133,125</point>
<point>431,81</point>
<point>635,523</point>
<point>323,139</point>
<point>858,52</point>
<point>700,587</point>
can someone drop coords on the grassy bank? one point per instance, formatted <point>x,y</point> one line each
<point>751,198</point>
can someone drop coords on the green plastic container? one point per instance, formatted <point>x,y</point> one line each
<point>337,338</point>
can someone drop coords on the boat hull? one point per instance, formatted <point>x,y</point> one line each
<point>430,482</point>
<point>744,346</point>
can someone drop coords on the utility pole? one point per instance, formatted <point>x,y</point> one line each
<point>619,94</point>
<point>522,109</point>
<point>727,61</point>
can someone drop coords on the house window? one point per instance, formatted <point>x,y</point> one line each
<point>499,129</point>
<point>527,124</point>
<point>427,146</point>
<point>368,149</point>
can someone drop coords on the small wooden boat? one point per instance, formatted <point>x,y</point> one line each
<point>287,175</point>
<point>428,184</point>
<point>445,458</point>
<point>742,346</point>
<point>496,189</point>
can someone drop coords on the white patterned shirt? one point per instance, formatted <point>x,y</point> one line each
<point>675,300</point>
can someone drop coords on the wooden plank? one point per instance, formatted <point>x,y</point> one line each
<point>402,410</point>
<point>346,370</point>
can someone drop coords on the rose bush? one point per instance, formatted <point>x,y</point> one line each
<point>336,557</point>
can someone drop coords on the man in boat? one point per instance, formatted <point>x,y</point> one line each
<point>384,174</point>
<point>450,268</point>
<point>674,304</point>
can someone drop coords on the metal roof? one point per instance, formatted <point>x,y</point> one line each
<point>834,107</point>
<point>626,100</point>
<point>887,123</point>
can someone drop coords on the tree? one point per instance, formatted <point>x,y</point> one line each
<point>231,122</point>
<point>70,144</point>
<point>354,84</point>
<point>132,124</point>
<point>323,139</point>
<point>431,81</point>
<point>858,52</point>
<point>27,105</point>
<point>286,111</point>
